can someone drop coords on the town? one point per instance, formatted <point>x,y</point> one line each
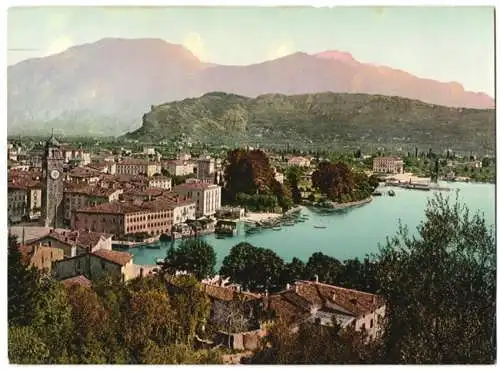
<point>75,212</point>
<point>234,185</point>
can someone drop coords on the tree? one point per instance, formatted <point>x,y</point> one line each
<point>255,268</point>
<point>293,271</point>
<point>486,162</point>
<point>231,317</point>
<point>194,256</point>
<point>90,320</point>
<point>23,290</point>
<point>293,175</point>
<point>328,269</point>
<point>25,346</point>
<point>191,305</point>
<point>314,344</point>
<point>440,289</point>
<point>53,321</point>
<point>149,317</point>
<point>333,180</point>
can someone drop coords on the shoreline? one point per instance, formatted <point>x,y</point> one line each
<point>347,205</point>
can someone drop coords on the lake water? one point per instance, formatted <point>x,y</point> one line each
<point>353,233</point>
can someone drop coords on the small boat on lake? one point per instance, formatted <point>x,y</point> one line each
<point>319,226</point>
<point>391,193</point>
<point>276,229</point>
<point>160,261</point>
<point>377,193</point>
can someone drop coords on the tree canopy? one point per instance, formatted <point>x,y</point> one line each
<point>193,255</point>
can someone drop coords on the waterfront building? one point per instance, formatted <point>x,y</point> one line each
<point>388,165</point>
<point>125,218</point>
<point>206,196</point>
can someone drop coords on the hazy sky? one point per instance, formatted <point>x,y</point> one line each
<point>446,44</point>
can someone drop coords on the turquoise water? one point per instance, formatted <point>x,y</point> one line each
<point>350,234</point>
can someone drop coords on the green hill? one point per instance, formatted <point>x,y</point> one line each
<point>321,120</point>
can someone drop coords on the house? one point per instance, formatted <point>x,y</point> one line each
<point>41,257</point>
<point>96,265</point>
<point>206,196</point>
<point>299,161</point>
<point>72,242</point>
<point>24,198</point>
<point>322,304</point>
<point>388,165</point>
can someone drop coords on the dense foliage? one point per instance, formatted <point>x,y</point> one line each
<point>338,183</point>
<point>112,322</point>
<point>250,182</point>
<point>193,255</point>
<point>441,289</point>
<point>257,268</point>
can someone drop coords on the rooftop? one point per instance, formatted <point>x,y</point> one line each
<point>198,185</point>
<point>117,257</point>
<point>77,280</point>
<point>84,239</point>
<point>299,300</point>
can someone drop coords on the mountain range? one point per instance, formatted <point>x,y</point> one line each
<point>105,87</point>
<point>326,120</point>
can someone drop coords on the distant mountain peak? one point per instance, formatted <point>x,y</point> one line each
<point>337,55</point>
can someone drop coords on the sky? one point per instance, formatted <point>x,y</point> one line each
<point>441,43</point>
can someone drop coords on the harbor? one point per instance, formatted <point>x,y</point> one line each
<point>340,237</point>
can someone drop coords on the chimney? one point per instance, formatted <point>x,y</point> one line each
<point>288,286</point>
<point>316,278</point>
<point>73,251</point>
<point>334,297</point>
<point>266,292</point>
<point>374,299</point>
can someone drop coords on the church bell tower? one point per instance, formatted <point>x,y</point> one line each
<point>52,184</point>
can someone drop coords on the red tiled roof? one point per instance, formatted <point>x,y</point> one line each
<point>293,303</point>
<point>77,280</point>
<point>112,208</point>
<point>84,239</point>
<point>117,257</point>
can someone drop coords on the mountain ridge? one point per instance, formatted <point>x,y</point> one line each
<point>320,119</point>
<point>121,78</point>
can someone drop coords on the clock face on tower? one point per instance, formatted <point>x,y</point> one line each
<point>54,174</point>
